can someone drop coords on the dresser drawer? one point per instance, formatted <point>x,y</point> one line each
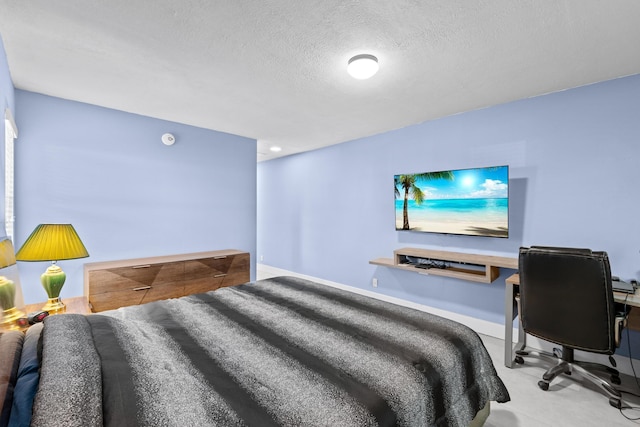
<point>239,271</point>
<point>207,274</point>
<point>128,278</point>
<point>139,295</point>
<point>201,285</point>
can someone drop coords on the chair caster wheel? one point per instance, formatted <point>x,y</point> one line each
<point>545,385</point>
<point>519,360</point>
<point>615,380</point>
<point>616,403</point>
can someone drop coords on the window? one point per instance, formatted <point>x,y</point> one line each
<point>10,134</point>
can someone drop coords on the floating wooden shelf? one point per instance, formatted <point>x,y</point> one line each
<point>465,266</point>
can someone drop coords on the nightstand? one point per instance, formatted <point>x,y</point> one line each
<point>78,305</point>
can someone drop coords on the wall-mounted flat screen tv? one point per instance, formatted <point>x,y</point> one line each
<point>465,201</point>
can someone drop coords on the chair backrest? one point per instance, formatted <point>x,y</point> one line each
<point>566,297</point>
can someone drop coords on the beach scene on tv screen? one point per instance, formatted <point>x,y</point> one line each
<point>466,201</point>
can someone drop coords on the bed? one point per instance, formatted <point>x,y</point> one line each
<point>281,351</point>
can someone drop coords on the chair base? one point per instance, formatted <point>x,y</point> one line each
<point>568,366</point>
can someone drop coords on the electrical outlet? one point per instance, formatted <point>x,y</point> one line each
<point>374,282</point>
<point>261,257</point>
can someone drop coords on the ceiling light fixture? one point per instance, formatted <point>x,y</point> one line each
<point>363,66</point>
<point>275,149</point>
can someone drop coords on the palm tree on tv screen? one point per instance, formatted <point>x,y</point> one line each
<point>408,184</point>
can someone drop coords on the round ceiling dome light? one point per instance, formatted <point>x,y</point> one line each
<point>363,66</point>
<point>275,149</point>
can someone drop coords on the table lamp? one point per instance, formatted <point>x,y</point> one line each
<point>8,288</point>
<point>52,242</point>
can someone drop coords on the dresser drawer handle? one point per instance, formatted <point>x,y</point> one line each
<point>142,266</point>
<point>141,288</point>
<point>220,275</point>
<point>220,257</point>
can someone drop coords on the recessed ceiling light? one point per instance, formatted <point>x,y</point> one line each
<point>363,66</point>
<point>275,149</point>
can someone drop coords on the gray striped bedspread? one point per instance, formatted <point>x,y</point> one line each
<point>282,351</point>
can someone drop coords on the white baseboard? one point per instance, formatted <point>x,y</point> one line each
<point>484,327</point>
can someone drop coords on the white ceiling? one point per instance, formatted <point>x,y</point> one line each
<point>275,70</point>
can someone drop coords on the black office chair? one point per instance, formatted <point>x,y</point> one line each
<point>566,298</point>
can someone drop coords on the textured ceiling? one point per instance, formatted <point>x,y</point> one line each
<point>275,70</point>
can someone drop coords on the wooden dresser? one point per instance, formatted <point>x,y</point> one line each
<point>112,284</point>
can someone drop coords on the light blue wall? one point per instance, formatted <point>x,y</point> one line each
<point>574,181</point>
<point>128,195</point>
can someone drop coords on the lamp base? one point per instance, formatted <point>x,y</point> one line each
<point>54,306</point>
<point>10,317</point>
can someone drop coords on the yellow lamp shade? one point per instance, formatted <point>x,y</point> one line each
<point>7,255</point>
<point>52,242</point>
